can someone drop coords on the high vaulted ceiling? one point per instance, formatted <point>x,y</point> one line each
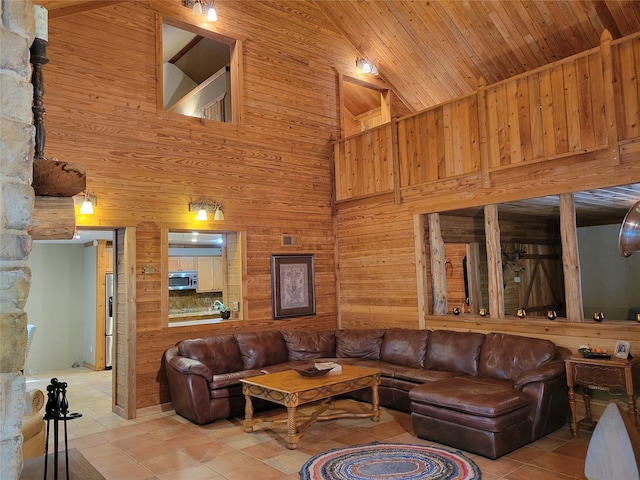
<point>430,51</point>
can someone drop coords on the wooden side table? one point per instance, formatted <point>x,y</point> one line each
<point>612,375</point>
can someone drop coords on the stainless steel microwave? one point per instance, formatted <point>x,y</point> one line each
<point>187,280</point>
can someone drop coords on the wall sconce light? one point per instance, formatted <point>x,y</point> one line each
<point>203,208</point>
<point>199,7</point>
<point>365,66</point>
<point>87,205</point>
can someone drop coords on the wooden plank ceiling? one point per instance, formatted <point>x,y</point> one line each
<point>429,52</point>
<point>433,51</point>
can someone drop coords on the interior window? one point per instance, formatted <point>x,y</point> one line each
<point>364,107</point>
<point>204,277</point>
<point>197,72</point>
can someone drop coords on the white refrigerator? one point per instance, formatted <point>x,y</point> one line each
<point>108,326</point>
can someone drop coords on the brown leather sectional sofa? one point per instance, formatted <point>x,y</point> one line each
<point>487,394</point>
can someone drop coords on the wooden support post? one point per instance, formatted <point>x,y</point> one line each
<point>419,229</point>
<point>494,261</point>
<point>570,259</point>
<point>395,157</point>
<point>609,97</point>
<point>438,265</point>
<point>38,59</point>
<point>482,131</point>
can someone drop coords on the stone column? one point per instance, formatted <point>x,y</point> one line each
<point>16,204</point>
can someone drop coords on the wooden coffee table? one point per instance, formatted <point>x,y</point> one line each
<point>291,389</point>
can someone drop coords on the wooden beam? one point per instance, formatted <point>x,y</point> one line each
<point>494,261</point>
<point>422,258</point>
<point>570,259</point>
<point>52,178</point>
<point>608,80</point>
<point>438,265</point>
<point>53,218</point>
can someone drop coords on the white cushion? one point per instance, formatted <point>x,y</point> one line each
<point>614,447</point>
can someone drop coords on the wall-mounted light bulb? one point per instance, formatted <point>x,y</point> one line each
<point>202,215</point>
<point>212,15</point>
<point>87,205</point>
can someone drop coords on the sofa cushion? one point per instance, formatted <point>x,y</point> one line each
<point>310,345</point>
<point>404,347</point>
<point>220,354</point>
<point>506,356</point>
<point>363,344</point>
<point>260,349</point>
<point>454,351</point>
<point>471,396</point>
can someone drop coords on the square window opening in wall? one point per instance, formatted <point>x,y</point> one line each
<point>199,72</point>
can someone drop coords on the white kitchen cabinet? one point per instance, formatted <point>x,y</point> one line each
<point>181,264</point>
<point>210,274</point>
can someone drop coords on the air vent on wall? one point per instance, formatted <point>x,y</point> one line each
<point>291,240</point>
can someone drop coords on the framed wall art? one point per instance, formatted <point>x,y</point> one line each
<point>292,285</point>
<point>622,349</point>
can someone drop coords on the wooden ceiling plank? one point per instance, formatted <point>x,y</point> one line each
<point>527,31</point>
<point>409,33</point>
<point>403,59</point>
<point>492,42</point>
<point>433,27</point>
<point>601,18</point>
<point>513,38</point>
<point>578,16</point>
<point>571,32</point>
<point>345,16</point>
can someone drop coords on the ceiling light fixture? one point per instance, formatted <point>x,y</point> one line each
<point>203,208</point>
<point>200,7</point>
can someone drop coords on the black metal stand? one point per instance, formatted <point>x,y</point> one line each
<point>57,409</point>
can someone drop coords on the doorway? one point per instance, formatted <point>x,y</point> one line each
<point>68,304</point>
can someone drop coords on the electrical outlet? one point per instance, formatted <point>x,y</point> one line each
<point>235,306</point>
<point>91,348</point>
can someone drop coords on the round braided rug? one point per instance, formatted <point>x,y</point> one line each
<point>389,461</point>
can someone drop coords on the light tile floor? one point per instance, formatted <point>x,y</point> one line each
<point>165,446</point>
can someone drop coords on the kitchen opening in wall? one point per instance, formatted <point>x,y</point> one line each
<point>205,277</point>
<point>199,72</point>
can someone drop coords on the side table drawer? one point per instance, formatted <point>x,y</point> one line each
<point>599,377</point>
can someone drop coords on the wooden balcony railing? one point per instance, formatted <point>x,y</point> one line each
<point>585,103</point>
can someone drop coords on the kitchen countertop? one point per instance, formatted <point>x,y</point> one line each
<point>191,312</point>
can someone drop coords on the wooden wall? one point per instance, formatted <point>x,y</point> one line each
<point>566,127</point>
<point>271,172</point>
